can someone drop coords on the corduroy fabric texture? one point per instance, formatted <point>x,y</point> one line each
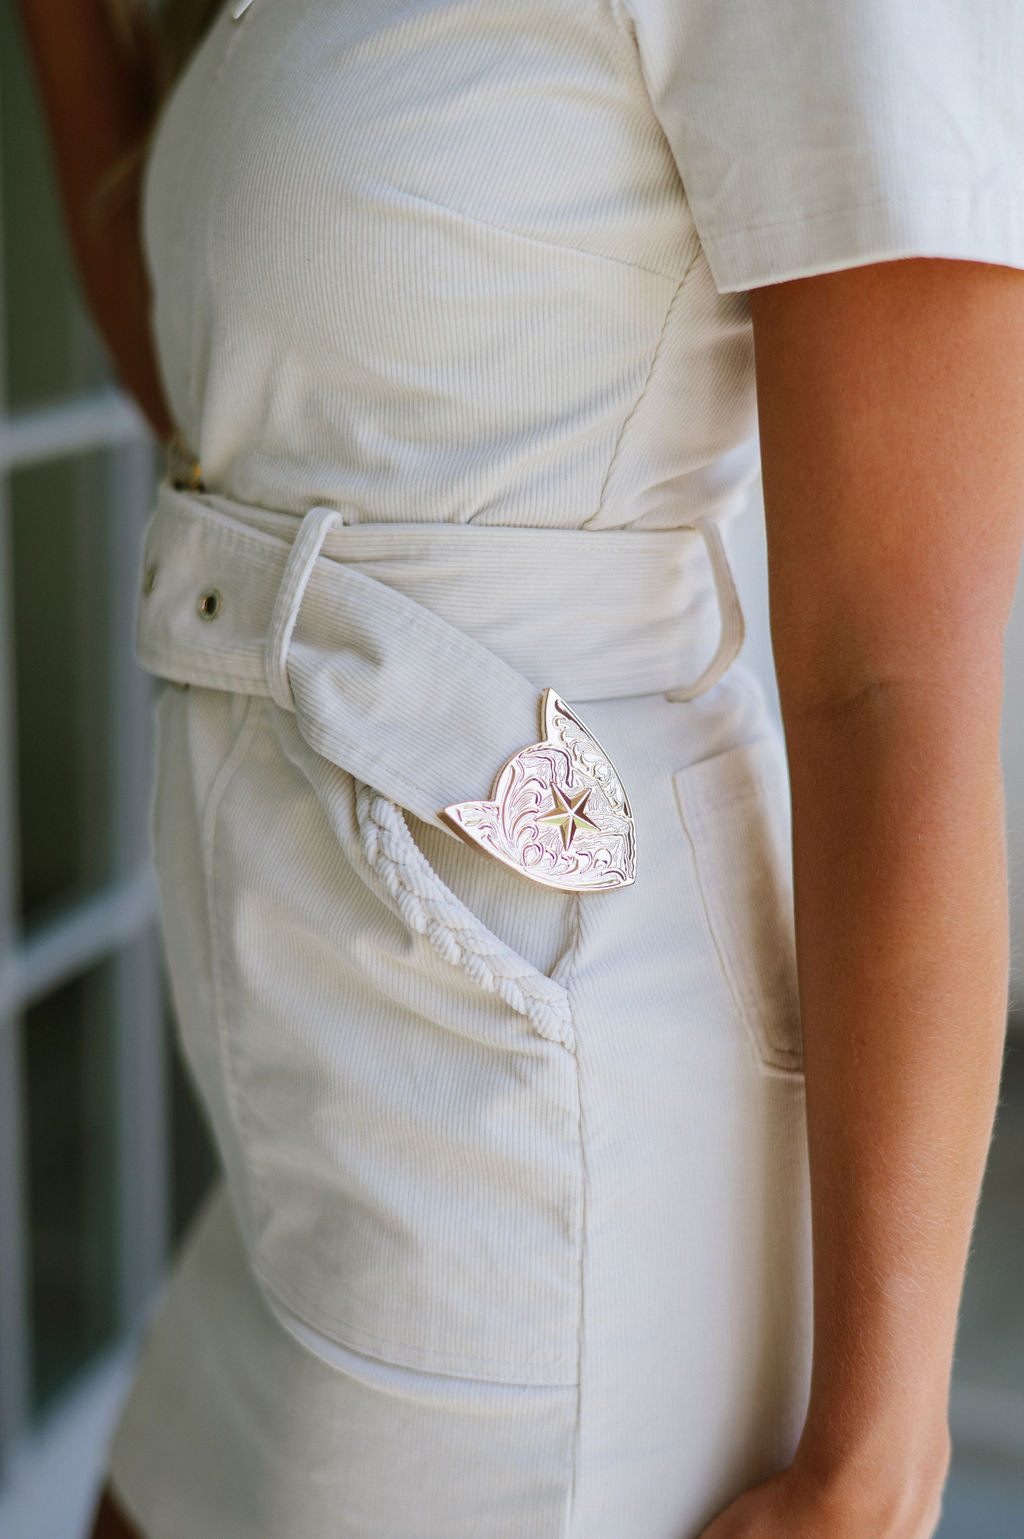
<point>613,1226</point>
<point>446,262</point>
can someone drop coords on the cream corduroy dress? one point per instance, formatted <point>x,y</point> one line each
<point>513,1235</point>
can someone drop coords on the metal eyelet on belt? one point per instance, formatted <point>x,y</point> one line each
<point>209,604</point>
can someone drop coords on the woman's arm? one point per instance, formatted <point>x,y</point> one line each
<point>98,105</point>
<point>891,404</point>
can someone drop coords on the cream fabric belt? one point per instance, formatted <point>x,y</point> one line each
<point>414,655</point>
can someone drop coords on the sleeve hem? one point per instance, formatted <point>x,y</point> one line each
<point>939,225</point>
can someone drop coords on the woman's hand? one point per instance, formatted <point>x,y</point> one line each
<point>793,1505</point>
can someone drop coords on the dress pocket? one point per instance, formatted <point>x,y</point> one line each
<point>403,854</point>
<point>408,1129</point>
<point>735,812</point>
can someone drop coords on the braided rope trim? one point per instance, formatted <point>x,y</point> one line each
<point>433,910</point>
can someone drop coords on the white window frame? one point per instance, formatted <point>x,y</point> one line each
<point>116,923</point>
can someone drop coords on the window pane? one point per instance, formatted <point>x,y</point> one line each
<point>63,644</point>
<point>71,1136</point>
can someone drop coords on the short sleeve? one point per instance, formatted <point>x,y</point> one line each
<point>812,135</point>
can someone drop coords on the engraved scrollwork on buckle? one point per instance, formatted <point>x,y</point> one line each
<point>558,812</point>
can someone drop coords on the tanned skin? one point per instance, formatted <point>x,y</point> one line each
<point>98,106</point>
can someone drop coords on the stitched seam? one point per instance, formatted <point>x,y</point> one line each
<point>536,240</point>
<point>620,438</point>
<point>211,817</point>
<point>581,1235</point>
<point>939,196</point>
<point>384,1343</point>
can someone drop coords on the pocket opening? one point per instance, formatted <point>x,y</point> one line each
<point>735,811</point>
<point>431,908</point>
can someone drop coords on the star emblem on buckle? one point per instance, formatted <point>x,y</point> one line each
<point>568,815</point>
<point>558,813</point>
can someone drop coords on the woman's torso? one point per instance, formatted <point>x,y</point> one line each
<point>434,261</point>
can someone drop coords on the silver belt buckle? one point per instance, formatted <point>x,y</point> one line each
<point>558,812</point>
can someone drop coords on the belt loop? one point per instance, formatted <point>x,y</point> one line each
<point>316,525</point>
<point>733,628</point>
